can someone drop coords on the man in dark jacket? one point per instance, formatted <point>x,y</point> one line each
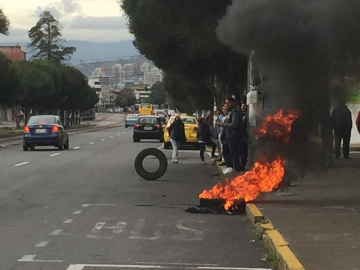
<point>177,137</point>
<point>244,136</point>
<point>233,129</point>
<point>342,125</point>
<point>204,136</point>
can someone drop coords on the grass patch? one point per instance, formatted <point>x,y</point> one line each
<point>272,258</point>
<point>80,126</point>
<point>10,132</point>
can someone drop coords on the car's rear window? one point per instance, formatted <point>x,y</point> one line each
<point>34,120</point>
<point>185,120</point>
<point>148,120</point>
<point>132,117</point>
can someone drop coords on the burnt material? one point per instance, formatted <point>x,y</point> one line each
<point>216,206</point>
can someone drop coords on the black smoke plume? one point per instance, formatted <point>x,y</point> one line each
<point>300,45</point>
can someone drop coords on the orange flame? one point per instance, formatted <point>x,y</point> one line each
<point>278,125</point>
<point>264,176</point>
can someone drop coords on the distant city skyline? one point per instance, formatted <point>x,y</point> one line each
<point>84,20</point>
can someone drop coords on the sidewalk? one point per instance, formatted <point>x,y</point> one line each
<point>103,120</point>
<point>320,220</point>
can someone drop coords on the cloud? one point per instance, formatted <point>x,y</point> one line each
<point>60,8</point>
<point>17,35</point>
<point>98,23</point>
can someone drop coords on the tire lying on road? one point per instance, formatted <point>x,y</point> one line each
<point>151,175</point>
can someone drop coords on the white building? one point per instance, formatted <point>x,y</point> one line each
<point>144,67</point>
<point>153,76</point>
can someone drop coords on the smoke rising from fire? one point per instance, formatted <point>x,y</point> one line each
<point>299,46</point>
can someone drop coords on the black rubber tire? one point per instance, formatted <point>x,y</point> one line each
<point>67,144</point>
<point>25,147</point>
<point>126,126</point>
<point>167,145</point>
<point>151,175</point>
<point>61,146</point>
<point>32,147</point>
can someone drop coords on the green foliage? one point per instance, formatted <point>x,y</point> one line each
<point>11,88</point>
<point>180,38</point>
<point>158,93</point>
<point>46,41</point>
<point>4,23</point>
<point>125,98</point>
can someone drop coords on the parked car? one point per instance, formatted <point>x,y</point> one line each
<point>130,120</point>
<point>87,115</point>
<point>148,127</point>
<point>109,110</point>
<point>191,127</point>
<point>45,130</point>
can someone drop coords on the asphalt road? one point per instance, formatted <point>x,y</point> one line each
<point>86,209</point>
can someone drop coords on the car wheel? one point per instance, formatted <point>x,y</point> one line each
<point>167,145</point>
<point>25,147</point>
<point>61,146</point>
<point>67,144</point>
<point>32,147</point>
<point>136,139</point>
<point>151,175</point>
<point>126,126</point>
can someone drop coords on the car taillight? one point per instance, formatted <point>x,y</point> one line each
<point>26,129</point>
<point>195,129</point>
<point>137,125</point>
<point>55,129</point>
<point>159,126</point>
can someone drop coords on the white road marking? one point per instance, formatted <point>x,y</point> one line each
<point>199,235</point>
<point>21,164</point>
<point>118,228</point>
<point>77,147</point>
<point>54,155</point>
<point>87,205</point>
<point>98,226</point>
<point>111,137</point>
<point>194,264</point>
<point>102,140</point>
<point>31,258</point>
<point>139,225</point>
<point>55,232</point>
<point>42,244</point>
<point>68,221</point>
<point>78,212</point>
<point>149,266</point>
<point>91,143</point>
<point>118,134</point>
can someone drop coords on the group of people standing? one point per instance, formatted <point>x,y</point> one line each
<point>230,132</point>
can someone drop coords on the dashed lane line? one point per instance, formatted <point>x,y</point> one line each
<point>91,143</point>
<point>21,164</point>
<point>68,221</point>
<point>42,244</point>
<point>78,212</point>
<point>77,147</point>
<point>56,232</point>
<point>111,137</point>
<point>102,140</point>
<point>54,155</point>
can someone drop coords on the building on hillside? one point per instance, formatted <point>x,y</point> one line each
<point>153,76</point>
<point>144,67</point>
<point>16,54</point>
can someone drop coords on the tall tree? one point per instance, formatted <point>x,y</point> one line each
<point>46,39</point>
<point>11,86</point>
<point>4,23</point>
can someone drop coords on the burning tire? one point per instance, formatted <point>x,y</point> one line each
<point>151,175</point>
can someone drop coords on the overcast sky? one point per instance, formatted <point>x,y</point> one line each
<point>88,20</point>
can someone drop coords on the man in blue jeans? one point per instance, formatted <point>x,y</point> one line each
<point>177,137</point>
<point>233,129</point>
<point>204,136</point>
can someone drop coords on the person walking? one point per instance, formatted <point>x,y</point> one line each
<point>204,137</point>
<point>342,125</point>
<point>358,122</point>
<point>225,145</point>
<point>177,137</point>
<point>233,128</point>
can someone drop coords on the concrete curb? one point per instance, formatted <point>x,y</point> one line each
<point>273,240</point>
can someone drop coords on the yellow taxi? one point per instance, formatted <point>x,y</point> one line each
<point>191,127</point>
